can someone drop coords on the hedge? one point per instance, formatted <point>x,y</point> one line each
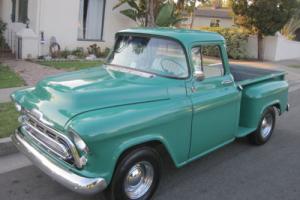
<point>236,40</point>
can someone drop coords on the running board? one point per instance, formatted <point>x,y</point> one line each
<point>243,131</point>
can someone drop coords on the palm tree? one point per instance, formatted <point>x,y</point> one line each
<point>293,25</point>
<point>151,13</point>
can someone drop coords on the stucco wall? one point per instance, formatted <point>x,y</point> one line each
<point>275,48</point>
<point>13,28</point>
<point>5,8</point>
<point>287,49</point>
<point>205,21</point>
<point>252,47</point>
<point>60,19</point>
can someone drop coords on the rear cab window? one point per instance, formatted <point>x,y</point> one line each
<point>207,58</point>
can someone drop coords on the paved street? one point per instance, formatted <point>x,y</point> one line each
<point>238,171</point>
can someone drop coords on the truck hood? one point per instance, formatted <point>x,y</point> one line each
<point>59,98</point>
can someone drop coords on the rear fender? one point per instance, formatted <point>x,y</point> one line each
<point>258,97</point>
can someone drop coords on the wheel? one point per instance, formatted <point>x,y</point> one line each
<point>136,176</point>
<point>265,128</point>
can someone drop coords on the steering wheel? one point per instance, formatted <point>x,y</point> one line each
<point>171,66</point>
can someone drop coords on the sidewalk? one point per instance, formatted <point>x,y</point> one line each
<point>293,74</point>
<point>30,72</point>
<point>5,93</point>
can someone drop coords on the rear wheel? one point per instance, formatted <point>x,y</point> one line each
<point>265,129</point>
<point>136,176</point>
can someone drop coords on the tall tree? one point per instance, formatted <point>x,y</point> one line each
<point>293,25</point>
<point>151,4</point>
<point>265,17</point>
<point>188,7</point>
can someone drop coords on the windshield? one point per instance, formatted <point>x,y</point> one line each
<point>149,54</point>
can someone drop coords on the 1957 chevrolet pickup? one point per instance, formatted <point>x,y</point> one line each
<point>159,90</point>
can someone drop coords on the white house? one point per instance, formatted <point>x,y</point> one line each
<point>209,16</point>
<point>73,23</point>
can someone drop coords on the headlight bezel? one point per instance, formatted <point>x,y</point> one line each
<point>79,142</point>
<point>18,106</point>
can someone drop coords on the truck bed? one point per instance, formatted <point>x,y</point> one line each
<point>246,75</point>
<point>260,87</point>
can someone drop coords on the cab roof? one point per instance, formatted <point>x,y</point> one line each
<point>185,36</point>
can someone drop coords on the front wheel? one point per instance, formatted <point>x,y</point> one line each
<point>265,129</point>
<point>136,176</point>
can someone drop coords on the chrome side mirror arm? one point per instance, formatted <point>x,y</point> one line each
<point>199,75</point>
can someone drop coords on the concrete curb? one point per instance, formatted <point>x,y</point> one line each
<point>7,147</point>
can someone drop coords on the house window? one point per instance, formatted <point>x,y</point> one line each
<point>23,11</point>
<point>13,11</point>
<point>19,11</point>
<point>91,17</point>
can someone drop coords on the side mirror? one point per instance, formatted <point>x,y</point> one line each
<point>199,75</point>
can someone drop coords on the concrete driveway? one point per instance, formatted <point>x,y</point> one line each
<point>237,171</point>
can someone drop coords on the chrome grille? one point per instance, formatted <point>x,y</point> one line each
<point>52,140</point>
<point>47,137</point>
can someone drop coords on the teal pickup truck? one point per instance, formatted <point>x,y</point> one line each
<point>160,91</point>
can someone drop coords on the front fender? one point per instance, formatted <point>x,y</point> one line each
<point>110,132</point>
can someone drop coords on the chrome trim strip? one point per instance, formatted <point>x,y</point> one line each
<point>40,117</point>
<point>66,154</point>
<point>82,185</point>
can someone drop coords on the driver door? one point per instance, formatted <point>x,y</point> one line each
<point>216,101</point>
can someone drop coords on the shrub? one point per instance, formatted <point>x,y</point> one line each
<point>79,52</point>
<point>105,53</point>
<point>96,50</point>
<point>2,29</point>
<point>65,53</point>
<point>236,40</point>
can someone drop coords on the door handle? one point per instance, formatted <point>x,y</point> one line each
<point>227,82</point>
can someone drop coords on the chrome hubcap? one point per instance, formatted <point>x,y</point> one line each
<point>266,125</point>
<point>139,180</point>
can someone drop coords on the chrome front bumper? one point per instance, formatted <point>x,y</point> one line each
<point>82,185</point>
<point>288,107</point>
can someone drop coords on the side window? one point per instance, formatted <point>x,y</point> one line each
<point>208,59</point>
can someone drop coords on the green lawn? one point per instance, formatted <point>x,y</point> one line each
<point>8,78</point>
<point>8,119</point>
<point>295,66</point>
<point>71,65</point>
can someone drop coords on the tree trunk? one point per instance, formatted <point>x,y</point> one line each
<point>150,14</point>
<point>192,19</point>
<point>260,46</point>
